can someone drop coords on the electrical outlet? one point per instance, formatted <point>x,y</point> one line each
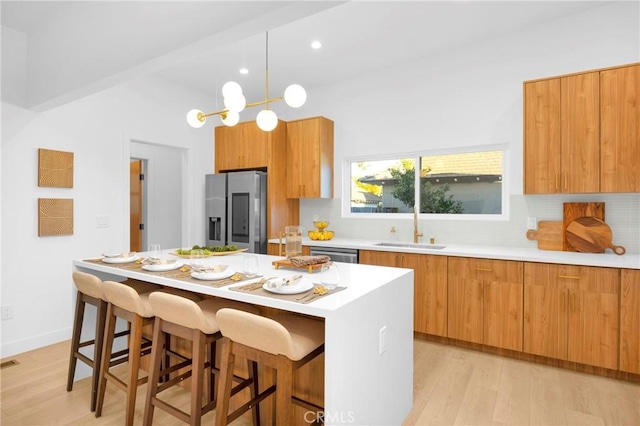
<point>532,223</point>
<point>7,312</point>
<point>102,222</point>
<point>382,340</point>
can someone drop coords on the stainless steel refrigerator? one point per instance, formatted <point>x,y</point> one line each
<point>236,210</point>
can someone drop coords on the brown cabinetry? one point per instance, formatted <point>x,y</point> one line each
<point>630,320</point>
<point>581,132</point>
<point>485,301</point>
<point>310,158</point>
<point>429,286</point>
<point>243,146</point>
<point>620,129</point>
<point>571,313</point>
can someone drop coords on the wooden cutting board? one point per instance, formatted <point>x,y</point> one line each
<point>573,211</point>
<point>549,235</point>
<point>591,235</point>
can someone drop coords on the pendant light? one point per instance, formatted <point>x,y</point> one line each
<point>235,102</point>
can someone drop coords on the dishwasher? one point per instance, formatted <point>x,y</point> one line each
<point>345,255</point>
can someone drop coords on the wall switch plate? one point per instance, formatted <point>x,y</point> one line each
<point>532,223</point>
<point>383,340</point>
<point>7,312</point>
<point>102,222</point>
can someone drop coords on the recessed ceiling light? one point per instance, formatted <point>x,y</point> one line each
<point>316,45</point>
<point>244,71</point>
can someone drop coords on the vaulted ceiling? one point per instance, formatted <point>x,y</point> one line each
<point>78,48</point>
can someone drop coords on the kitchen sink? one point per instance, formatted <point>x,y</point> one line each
<point>412,245</point>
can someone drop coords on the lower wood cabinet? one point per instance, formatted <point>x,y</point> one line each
<point>429,286</point>
<point>485,301</point>
<point>630,320</point>
<point>571,313</point>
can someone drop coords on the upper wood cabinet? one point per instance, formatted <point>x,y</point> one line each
<point>429,286</point>
<point>243,146</point>
<point>630,320</point>
<point>571,313</point>
<point>310,158</point>
<point>485,301</point>
<point>581,132</point>
<point>620,129</point>
<point>562,137</point>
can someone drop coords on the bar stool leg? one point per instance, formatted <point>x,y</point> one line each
<point>154,370</point>
<point>227,366</point>
<point>197,366</point>
<point>109,332</point>
<point>284,389</point>
<point>101,320</point>
<point>254,390</point>
<point>135,342</point>
<point>75,340</point>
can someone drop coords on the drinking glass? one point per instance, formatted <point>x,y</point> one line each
<point>196,259</point>
<point>155,253</point>
<point>329,276</point>
<point>250,265</point>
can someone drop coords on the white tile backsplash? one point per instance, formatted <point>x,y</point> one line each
<point>622,213</point>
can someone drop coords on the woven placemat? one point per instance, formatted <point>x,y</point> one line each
<point>304,298</point>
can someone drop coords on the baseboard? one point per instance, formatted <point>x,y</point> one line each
<point>9,349</point>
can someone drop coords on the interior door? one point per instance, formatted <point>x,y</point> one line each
<point>136,224</point>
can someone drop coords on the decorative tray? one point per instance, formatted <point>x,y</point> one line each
<point>286,263</point>
<point>213,253</point>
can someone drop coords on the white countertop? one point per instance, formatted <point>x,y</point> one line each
<point>608,259</point>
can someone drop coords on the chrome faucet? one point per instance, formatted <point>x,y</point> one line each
<point>416,234</point>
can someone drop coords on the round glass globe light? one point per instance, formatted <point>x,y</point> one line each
<point>231,89</point>
<point>267,120</point>
<point>231,119</point>
<point>295,96</point>
<point>235,103</point>
<point>193,120</point>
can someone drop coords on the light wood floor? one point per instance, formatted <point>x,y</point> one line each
<point>452,386</point>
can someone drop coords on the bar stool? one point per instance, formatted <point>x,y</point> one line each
<point>196,322</point>
<point>285,343</point>
<point>90,292</point>
<point>124,302</point>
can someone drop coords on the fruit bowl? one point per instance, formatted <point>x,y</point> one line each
<point>320,224</point>
<point>320,235</point>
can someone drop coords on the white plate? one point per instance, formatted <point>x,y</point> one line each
<point>160,267</point>
<point>120,259</point>
<point>300,287</point>
<point>213,275</point>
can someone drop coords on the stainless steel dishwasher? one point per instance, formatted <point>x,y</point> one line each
<point>345,255</point>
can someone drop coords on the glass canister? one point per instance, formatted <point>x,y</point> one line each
<point>293,240</point>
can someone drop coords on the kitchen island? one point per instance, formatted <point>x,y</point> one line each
<point>368,331</point>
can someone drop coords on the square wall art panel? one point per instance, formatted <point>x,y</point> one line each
<point>55,216</point>
<point>55,168</point>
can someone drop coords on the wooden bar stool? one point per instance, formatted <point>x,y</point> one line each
<point>285,343</point>
<point>196,322</point>
<point>90,292</point>
<point>124,302</point>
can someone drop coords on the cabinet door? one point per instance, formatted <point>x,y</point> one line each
<point>545,312</point>
<point>464,300</point>
<point>542,137</point>
<point>430,295</point>
<point>620,129</point>
<point>593,318</point>
<point>580,133</point>
<point>310,158</point>
<point>243,146</point>
<point>503,304</point>
<point>630,320</point>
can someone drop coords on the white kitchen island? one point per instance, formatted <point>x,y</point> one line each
<point>368,333</point>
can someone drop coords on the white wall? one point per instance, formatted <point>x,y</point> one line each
<point>36,271</point>
<point>473,96</point>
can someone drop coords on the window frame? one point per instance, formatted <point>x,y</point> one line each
<point>416,155</point>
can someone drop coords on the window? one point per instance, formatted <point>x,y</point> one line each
<point>465,184</point>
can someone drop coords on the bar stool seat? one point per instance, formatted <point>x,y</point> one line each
<point>89,291</point>
<point>196,322</point>
<point>126,303</point>
<point>285,343</point>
